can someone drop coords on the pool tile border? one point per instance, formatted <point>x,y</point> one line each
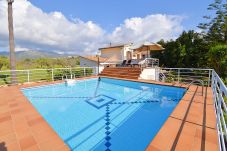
<point>23,128</point>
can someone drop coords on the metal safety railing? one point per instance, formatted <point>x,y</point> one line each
<point>206,77</point>
<point>35,75</point>
<point>220,98</point>
<point>185,75</point>
<point>149,62</point>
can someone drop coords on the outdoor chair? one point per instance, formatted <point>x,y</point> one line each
<point>128,63</point>
<point>123,63</point>
<point>135,63</point>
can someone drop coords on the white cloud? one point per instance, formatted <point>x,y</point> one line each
<point>35,29</point>
<point>151,28</point>
<point>39,30</point>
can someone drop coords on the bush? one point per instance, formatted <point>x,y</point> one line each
<point>218,59</point>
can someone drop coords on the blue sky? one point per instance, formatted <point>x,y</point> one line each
<point>83,26</point>
<point>110,13</point>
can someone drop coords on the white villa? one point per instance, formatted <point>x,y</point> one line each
<point>116,54</point>
<point>127,56</point>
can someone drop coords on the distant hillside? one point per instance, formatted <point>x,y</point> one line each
<point>20,55</point>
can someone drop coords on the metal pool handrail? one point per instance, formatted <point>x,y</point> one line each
<point>200,81</point>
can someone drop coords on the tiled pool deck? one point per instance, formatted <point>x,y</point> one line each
<point>191,126</point>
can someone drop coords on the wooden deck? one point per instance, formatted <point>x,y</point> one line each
<point>191,126</point>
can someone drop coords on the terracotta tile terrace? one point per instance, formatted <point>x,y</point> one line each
<point>191,126</point>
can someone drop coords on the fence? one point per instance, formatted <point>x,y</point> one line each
<point>149,62</point>
<point>185,75</point>
<point>220,98</point>
<point>34,75</point>
<point>209,78</point>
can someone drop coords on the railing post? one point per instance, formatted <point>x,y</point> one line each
<point>212,79</point>
<point>71,72</point>
<point>52,74</point>
<point>209,79</point>
<point>178,76</point>
<point>28,76</point>
<point>157,71</point>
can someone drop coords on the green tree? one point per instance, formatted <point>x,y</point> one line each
<point>193,50</point>
<point>218,59</point>
<point>215,29</point>
<point>4,62</point>
<point>189,50</point>
<point>43,62</point>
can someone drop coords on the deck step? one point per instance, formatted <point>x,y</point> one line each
<point>122,72</point>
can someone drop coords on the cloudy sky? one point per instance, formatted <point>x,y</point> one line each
<point>82,26</point>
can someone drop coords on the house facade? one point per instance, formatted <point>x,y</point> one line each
<point>137,54</point>
<point>138,51</point>
<point>115,54</point>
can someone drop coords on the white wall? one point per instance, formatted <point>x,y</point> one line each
<point>101,67</point>
<point>127,48</point>
<point>87,63</point>
<point>150,74</point>
<point>118,53</point>
<point>113,53</point>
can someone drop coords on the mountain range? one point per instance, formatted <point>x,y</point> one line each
<point>32,54</point>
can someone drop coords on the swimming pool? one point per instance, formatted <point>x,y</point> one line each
<point>105,114</point>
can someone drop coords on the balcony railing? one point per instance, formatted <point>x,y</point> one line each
<point>149,62</point>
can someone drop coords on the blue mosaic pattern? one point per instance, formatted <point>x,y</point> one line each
<point>59,97</point>
<point>107,127</point>
<point>100,101</point>
<point>148,101</point>
<point>107,119</point>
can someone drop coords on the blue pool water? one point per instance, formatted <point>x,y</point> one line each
<point>106,114</point>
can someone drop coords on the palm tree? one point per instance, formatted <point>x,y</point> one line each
<point>11,42</point>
